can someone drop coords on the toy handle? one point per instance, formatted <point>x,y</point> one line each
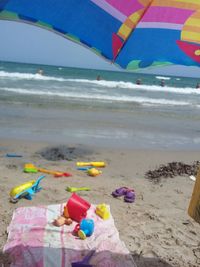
<point>77,228</point>
<point>83,164</point>
<point>36,185</point>
<point>84,168</point>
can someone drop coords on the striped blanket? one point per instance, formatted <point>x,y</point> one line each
<point>34,241</point>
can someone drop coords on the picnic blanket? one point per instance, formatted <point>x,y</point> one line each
<point>34,241</point>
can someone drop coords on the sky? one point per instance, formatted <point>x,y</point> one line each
<point>21,42</point>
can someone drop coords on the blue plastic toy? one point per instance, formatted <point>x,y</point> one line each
<point>84,168</point>
<point>86,228</point>
<point>13,155</point>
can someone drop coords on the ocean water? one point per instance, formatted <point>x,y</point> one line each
<point>70,104</point>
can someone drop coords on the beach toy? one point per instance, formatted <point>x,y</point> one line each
<point>61,220</point>
<point>26,190</point>
<point>85,228</point>
<point>66,213</point>
<point>61,174</point>
<point>102,211</point>
<point>92,163</point>
<point>93,172</point>
<point>30,168</point>
<point>77,207</point>
<point>13,156</point>
<point>84,168</point>
<point>85,261</point>
<point>75,189</point>
<point>56,173</point>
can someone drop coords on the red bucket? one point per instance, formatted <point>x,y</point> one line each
<point>77,207</point>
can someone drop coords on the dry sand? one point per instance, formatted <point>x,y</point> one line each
<point>156,228</point>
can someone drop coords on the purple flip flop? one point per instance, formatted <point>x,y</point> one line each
<point>129,196</point>
<point>120,192</point>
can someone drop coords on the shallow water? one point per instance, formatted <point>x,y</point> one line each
<point>70,105</point>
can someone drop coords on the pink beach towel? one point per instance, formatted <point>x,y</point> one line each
<point>33,241</point>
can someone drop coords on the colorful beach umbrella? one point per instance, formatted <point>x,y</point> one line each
<point>130,33</point>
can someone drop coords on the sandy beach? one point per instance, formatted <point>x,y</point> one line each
<point>155,228</point>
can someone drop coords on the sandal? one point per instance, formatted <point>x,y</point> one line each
<point>129,196</point>
<point>120,192</point>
